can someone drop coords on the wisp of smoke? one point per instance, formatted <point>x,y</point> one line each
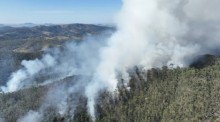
<point>31,116</point>
<point>150,33</point>
<point>2,120</point>
<point>30,68</point>
<point>74,60</point>
<point>57,64</point>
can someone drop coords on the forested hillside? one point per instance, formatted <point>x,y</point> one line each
<point>166,95</point>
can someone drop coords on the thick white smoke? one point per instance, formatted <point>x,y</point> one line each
<point>150,33</point>
<point>154,33</point>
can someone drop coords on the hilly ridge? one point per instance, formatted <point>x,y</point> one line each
<point>159,94</point>
<point>180,94</point>
<point>26,43</point>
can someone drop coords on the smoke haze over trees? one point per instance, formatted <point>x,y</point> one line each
<point>115,67</point>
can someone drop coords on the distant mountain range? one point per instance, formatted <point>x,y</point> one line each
<point>26,42</point>
<point>24,25</point>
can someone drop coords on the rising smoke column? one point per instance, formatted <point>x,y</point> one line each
<point>150,33</point>
<point>154,33</point>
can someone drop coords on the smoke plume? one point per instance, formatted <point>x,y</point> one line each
<point>154,33</point>
<point>30,68</point>
<point>150,33</point>
<point>31,117</point>
<point>74,65</point>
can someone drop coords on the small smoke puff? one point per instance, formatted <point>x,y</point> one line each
<point>15,80</point>
<point>31,116</point>
<point>34,66</point>
<point>2,120</point>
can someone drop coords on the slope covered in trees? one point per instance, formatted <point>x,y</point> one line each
<point>187,94</point>
<point>166,95</point>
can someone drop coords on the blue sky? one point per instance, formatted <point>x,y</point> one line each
<point>58,11</point>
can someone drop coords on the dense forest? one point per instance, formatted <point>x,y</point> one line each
<point>160,94</point>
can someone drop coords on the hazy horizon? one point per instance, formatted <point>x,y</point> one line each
<point>17,24</point>
<point>58,12</point>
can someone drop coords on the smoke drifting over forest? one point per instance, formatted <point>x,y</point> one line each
<point>150,33</point>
